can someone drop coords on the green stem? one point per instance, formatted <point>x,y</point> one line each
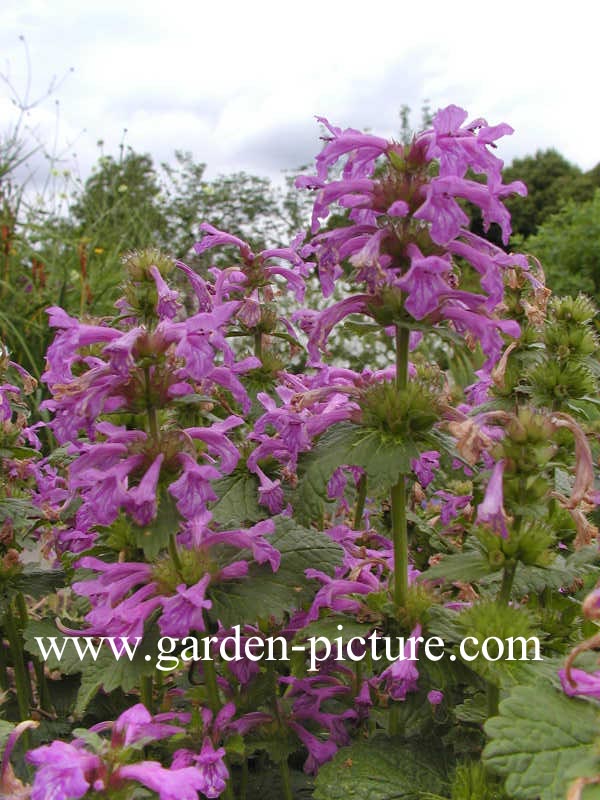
<point>4,684</point>
<point>212,687</point>
<point>244,781</point>
<point>159,685</point>
<point>151,410</point>
<point>286,781</point>
<point>358,675</point>
<point>258,349</point>
<point>361,496</point>
<point>173,552</point>
<point>399,527</point>
<point>402,342</point>
<point>22,683</point>
<point>214,703</point>
<point>395,719</point>
<point>508,578</point>
<point>43,690</point>
<point>146,691</point>
<point>400,537</point>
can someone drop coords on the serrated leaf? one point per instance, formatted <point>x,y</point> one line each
<point>6,729</point>
<point>561,572</point>
<point>470,565</point>
<point>155,537</point>
<point>536,738</point>
<point>328,629</point>
<point>238,500</point>
<point>37,582</point>
<point>474,709</point>
<point>19,508</point>
<point>380,769</point>
<point>381,457</point>
<point>264,593</point>
<point>104,672</point>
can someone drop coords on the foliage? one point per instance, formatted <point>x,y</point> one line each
<point>208,473</point>
<point>568,245</point>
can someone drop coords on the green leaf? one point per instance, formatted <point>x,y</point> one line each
<point>560,572</point>
<point>380,769</point>
<point>108,673</point>
<point>328,629</point>
<point>37,582</point>
<point>536,739</point>
<point>20,511</point>
<point>238,500</point>
<point>6,729</point>
<point>381,457</point>
<point>264,593</point>
<point>105,672</point>
<point>470,565</point>
<point>155,537</point>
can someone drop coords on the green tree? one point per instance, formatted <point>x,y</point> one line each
<point>568,245</point>
<point>551,181</point>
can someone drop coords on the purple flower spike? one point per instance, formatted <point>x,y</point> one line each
<point>491,511</point>
<point>184,612</point>
<point>136,724</point>
<point>168,304</point>
<point>64,771</point>
<point>402,676</point>
<point>169,784</point>
<point>141,503</point>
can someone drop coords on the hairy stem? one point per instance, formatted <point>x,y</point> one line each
<point>22,682</point>
<point>508,577</point>
<point>402,342</point>
<point>258,344</point>
<point>399,527</point>
<point>400,537</point>
<point>244,782</point>
<point>212,687</point>
<point>150,408</point>
<point>286,781</point>
<point>146,691</point>
<point>42,684</point>
<point>361,496</point>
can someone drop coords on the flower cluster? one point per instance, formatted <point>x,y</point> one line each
<point>204,486</point>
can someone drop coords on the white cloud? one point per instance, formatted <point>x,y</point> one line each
<point>224,79</point>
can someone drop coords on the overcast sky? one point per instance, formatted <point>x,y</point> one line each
<point>239,83</point>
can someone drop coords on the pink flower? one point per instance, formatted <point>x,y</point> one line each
<point>491,511</point>
<point>402,676</point>
<point>141,500</point>
<point>64,771</point>
<point>184,611</point>
<point>136,724</point>
<point>169,784</point>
